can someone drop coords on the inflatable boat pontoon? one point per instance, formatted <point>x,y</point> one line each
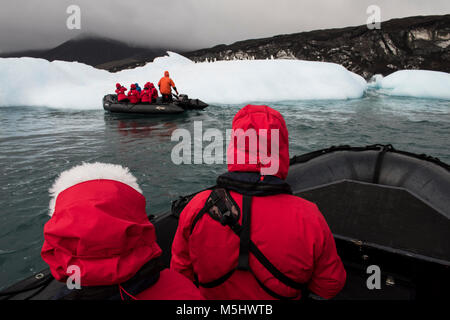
<point>180,105</point>
<point>385,207</point>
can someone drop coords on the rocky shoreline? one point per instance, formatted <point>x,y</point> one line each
<point>421,42</point>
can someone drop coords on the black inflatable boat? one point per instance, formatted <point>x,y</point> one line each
<point>385,207</point>
<point>179,105</point>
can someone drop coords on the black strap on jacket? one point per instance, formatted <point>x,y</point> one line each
<point>244,246</point>
<point>273,270</point>
<point>221,199</point>
<point>221,207</point>
<point>214,283</point>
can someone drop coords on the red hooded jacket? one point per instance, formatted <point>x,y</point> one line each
<point>153,91</point>
<point>149,93</point>
<point>145,94</point>
<point>289,231</point>
<point>101,227</point>
<point>121,96</point>
<point>133,95</point>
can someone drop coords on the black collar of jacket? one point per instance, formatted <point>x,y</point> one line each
<point>251,183</point>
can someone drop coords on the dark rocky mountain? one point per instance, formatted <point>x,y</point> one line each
<point>421,42</point>
<point>96,51</point>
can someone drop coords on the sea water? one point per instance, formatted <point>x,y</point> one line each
<point>38,143</point>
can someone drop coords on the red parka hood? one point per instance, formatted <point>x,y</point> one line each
<point>99,225</point>
<point>261,120</point>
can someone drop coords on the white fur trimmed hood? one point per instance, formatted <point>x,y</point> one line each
<point>87,172</point>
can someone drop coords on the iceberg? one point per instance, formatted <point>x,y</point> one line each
<point>414,83</point>
<point>59,84</point>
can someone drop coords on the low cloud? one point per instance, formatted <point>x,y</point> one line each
<point>188,24</point>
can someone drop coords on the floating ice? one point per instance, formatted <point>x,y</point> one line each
<point>58,84</point>
<point>414,83</point>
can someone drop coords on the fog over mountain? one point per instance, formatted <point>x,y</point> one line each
<point>188,24</point>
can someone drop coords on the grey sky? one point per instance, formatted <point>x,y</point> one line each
<point>188,24</point>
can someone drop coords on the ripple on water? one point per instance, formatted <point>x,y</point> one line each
<point>36,144</point>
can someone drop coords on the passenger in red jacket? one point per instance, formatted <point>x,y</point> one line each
<point>99,227</point>
<point>249,237</point>
<point>145,94</point>
<point>153,92</point>
<point>120,90</point>
<point>133,95</point>
<point>149,94</point>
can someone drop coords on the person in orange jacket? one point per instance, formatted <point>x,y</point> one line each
<point>165,85</point>
<point>98,225</point>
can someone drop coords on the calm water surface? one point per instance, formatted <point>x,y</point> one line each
<point>36,144</point>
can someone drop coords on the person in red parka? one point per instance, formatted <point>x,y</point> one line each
<point>145,94</point>
<point>133,95</point>
<point>149,94</point>
<point>250,237</point>
<point>99,226</point>
<point>120,90</point>
<point>153,92</point>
